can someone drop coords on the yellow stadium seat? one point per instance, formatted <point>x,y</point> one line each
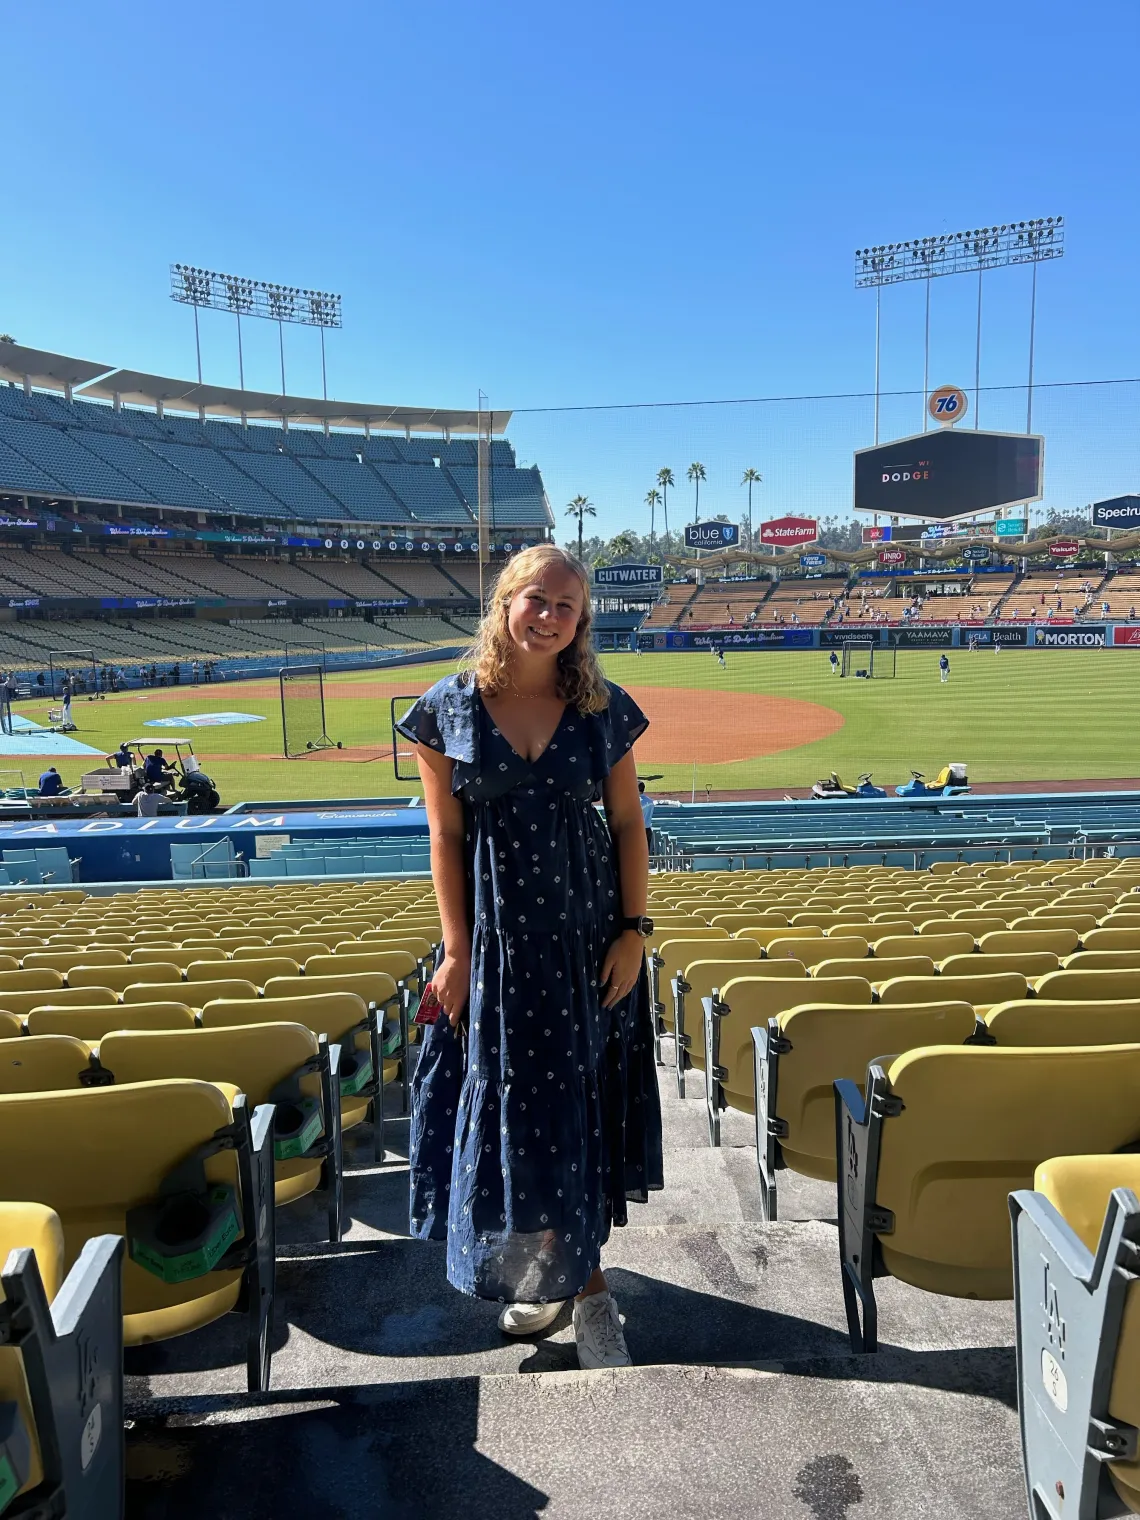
<point>1090,986</point>
<point>1028,963</point>
<point>812,918</point>
<point>978,922</point>
<point>982,990</point>
<point>871,930</point>
<point>393,939</point>
<point>911,965</point>
<point>40,980</point>
<point>64,960</point>
<point>798,1056</point>
<point>43,1063</point>
<point>22,1003</point>
<point>929,1157</point>
<point>1057,941</point>
<point>64,1384</point>
<point>811,951</point>
<point>195,994</point>
<point>1102,960</point>
<point>398,964</point>
<point>695,981</point>
<point>10,1026</point>
<point>747,1002</point>
<point>256,970</point>
<point>182,958</point>
<point>349,1020</point>
<point>1064,918</point>
<point>101,1158</point>
<point>1075,1242</point>
<point>1103,938</point>
<point>740,919</point>
<point>91,1024</point>
<point>1042,1021</point>
<point>122,978</point>
<point>936,946</point>
<point>669,955</point>
<point>283,1064</point>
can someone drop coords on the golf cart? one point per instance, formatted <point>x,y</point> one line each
<point>187,782</point>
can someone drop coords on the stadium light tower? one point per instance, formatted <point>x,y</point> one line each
<point>1030,242</point>
<point>195,287</point>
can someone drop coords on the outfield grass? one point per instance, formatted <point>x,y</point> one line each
<point>1018,715</point>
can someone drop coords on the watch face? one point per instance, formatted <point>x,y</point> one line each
<point>645,926</point>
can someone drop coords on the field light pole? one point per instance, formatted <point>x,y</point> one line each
<point>194,287</point>
<point>1030,242</point>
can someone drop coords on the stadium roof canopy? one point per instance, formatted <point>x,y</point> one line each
<point>29,366</point>
<point>48,371</point>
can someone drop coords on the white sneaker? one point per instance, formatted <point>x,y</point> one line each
<point>529,1319</point>
<point>597,1329</point>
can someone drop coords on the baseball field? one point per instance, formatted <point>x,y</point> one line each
<point>767,720</point>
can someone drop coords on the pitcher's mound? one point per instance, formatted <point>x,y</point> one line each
<point>713,727</point>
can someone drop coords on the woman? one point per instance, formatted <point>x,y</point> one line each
<point>536,1114</point>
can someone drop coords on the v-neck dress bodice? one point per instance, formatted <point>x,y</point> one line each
<point>523,1155</point>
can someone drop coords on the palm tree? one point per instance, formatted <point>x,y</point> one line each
<point>580,508</point>
<point>696,473</point>
<point>652,497</point>
<point>749,478</point>
<point>623,544</point>
<point>666,482</point>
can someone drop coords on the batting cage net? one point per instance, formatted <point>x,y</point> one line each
<point>857,659</point>
<point>883,663</point>
<point>80,665</point>
<point>303,725</point>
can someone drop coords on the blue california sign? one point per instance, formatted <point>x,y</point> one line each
<point>712,535</point>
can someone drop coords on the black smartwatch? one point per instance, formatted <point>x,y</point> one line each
<point>643,925</point>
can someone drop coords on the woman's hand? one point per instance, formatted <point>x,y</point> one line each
<point>451,983</point>
<point>621,967</point>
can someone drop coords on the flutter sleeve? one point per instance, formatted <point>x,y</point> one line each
<point>443,719</point>
<point>616,731</point>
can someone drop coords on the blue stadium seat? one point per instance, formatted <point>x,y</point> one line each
<point>290,482</point>
<point>161,479</point>
<point>427,491</point>
<point>80,472</point>
<point>360,489</point>
<point>220,475</point>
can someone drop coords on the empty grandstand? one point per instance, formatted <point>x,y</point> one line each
<point>57,448</point>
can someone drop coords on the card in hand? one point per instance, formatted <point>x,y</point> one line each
<point>429,1010</point>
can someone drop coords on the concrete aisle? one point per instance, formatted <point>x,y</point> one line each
<point>394,1396</point>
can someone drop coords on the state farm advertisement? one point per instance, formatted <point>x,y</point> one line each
<point>787,531</point>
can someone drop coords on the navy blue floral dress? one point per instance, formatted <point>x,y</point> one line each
<point>530,1135</point>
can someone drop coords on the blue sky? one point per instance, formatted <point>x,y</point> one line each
<point>573,206</point>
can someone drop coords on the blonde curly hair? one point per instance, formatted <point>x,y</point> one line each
<point>488,661</point>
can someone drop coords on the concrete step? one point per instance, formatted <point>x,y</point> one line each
<point>382,1311</point>
<point>893,1437</point>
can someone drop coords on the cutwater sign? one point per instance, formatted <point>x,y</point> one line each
<point>627,575</point>
<point>712,535</point>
